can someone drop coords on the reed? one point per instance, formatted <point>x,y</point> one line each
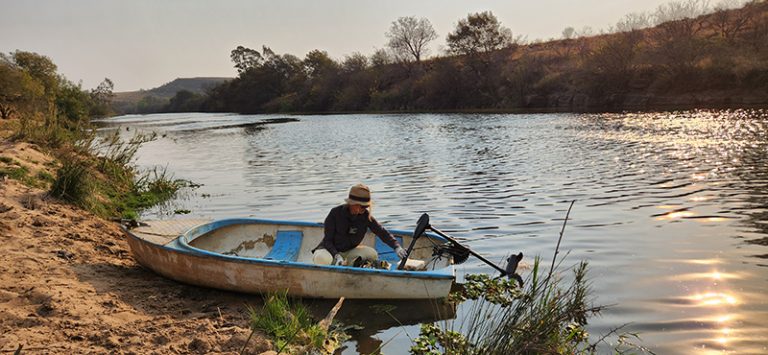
<point>546,316</point>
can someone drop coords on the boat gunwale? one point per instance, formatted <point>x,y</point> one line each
<point>180,245</point>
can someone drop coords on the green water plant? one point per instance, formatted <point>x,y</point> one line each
<point>544,317</point>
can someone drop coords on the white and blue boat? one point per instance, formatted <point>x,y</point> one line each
<point>261,256</point>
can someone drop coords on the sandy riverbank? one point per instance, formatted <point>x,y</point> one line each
<point>69,285</point>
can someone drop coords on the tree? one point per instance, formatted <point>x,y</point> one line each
<point>319,63</point>
<point>381,57</point>
<point>40,67</point>
<point>569,32</point>
<point>408,37</point>
<point>71,104</point>
<point>354,63</point>
<point>479,33</point>
<point>728,24</point>
<point>19,91</point>
<point>245,59</point>
<point>101,97</point>
<point>676,37</point>
<point>323,81</point>
<point>184,101</point>
<point>42,70</point>
<point>633,22</point>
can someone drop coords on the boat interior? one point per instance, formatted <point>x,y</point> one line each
<point>294,242</point>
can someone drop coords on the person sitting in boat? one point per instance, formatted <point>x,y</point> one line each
<point>345,228</point>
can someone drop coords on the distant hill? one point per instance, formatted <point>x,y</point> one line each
<point>152,100</point>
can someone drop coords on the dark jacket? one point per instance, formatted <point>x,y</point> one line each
<point>344,231</point>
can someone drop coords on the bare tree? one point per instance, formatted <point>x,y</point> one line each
<point>757,33</point>
<point>633,22</point>
<point>675,37</point>
<point>569,33</point>
<point>728,23</point>
<point>680,10</point>
<point>408,36</point>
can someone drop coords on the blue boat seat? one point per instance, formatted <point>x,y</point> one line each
<point>287,246</point>
<point>385,252</point>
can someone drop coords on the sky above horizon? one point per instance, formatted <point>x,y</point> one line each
<point>142,44</point>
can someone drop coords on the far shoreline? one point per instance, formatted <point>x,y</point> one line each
<point>513,111</point>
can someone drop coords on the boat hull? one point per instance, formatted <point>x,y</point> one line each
<point>177,261</point>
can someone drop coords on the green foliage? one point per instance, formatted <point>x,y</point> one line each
<point>291,326</point>
<point>150,103</point>
<point>127,192</point>
<point>544,317</point>
<point>74,182</point>
<point>245,59</point>
<point>21,93</point>
<point>16,173</point>
<point>55,113</point>
<point>184,101</point>
<point>479,33</point>
<point>72,105</point>
<point>101,98</point>
<point>45,177</point>
<point>501,291</point>
<point>39,67</point>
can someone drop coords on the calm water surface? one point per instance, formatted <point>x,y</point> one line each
<point>671,208</point>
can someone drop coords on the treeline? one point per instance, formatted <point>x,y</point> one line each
<point>684,53</point>
<point>33,91</point>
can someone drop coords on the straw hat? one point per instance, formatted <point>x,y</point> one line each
<point>359,195</point>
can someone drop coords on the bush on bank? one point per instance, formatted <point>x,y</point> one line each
<point>40,106</point>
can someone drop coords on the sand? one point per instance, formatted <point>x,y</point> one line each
<point>68,285</point>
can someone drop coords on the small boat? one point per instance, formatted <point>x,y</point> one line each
<point>260,256</point>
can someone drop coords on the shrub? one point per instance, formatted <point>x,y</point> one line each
<point>542,318</point>
<point>73,181</point>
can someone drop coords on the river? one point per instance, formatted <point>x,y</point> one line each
<point>671,209</point>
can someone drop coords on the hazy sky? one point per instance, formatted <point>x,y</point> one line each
<point>142,44</point>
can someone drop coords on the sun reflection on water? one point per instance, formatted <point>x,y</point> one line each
<point>675,215</point>
<point>713,299</point>
<point>717,299</point>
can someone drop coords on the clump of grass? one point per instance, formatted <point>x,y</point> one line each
<point>73,182</point>
<point>16,173</point>
<point>152,188</point>
<point>7,160</point>
<point>103,179</point>
<point>291,326</point>
<point>21,173</point>
<point>13,169</point>
<point>45,177</point>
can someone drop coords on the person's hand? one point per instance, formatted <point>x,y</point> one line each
<point>401,253</point>
<point>338,259</point>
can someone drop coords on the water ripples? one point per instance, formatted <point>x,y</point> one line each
<point>671,212</point>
